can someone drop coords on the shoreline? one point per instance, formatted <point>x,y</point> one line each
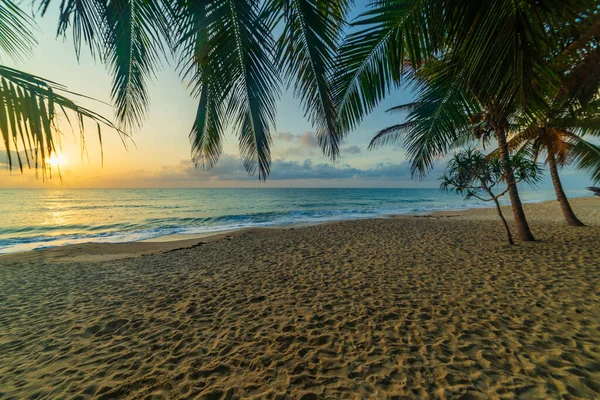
<point>101,252</point>
<point>105,251</point>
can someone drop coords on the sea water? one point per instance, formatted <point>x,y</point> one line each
<point>39,218</point>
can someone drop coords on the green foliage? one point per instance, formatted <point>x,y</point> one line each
<point>470,173</point>
<point>32,107</point>
<point>441,116</point>
<point>237,73</point>
<point>461,99</point>
<point>16,31</point>
<point>464,58</point>
<point>562,131</point>
<point>135,32</point>
<point>497,49</point>
<point>30,111</point>
<point>228,54</point>
<point>306,53</point>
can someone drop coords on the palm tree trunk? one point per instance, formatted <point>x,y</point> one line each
<point>508,234</point>
<point>560,193</point>
<point>523,230</point>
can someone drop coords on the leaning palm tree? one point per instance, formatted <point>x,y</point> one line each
<point>458,36</point>
<point>573,111</point>
<point>560,139</point>
<point>446,115</point>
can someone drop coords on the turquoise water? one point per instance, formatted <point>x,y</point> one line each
<point>39,218</point>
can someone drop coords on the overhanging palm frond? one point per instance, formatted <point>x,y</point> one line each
<point>16,36</point>
<point>372,58</point>
<point>441,116</point>
<point>255,81</point>
<point>519,139</point>
<point>30,112</point>
<point>228,54</point>
<point>130,36</point>
<point>87,20</point>
<point>442,119</point>
<point>136,35</point>
<point>195,22</point>
<point>207,130</point>
<point>586,157</point>
<point>391,135</point>
<point>408,107</point>
<point>306,52</point>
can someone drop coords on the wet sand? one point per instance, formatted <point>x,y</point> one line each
<point>431,306</point>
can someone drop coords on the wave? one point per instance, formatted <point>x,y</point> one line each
<point>23,238</point>
<point>39,237</point>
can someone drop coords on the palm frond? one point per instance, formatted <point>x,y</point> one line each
<point>442,117</point>
<point>391,135</point>
<point>306,53</point>
<point>16,31</point>
<point>30,111</point>
<point>255,84</point>
<point>526,135</point>
<point>195,22</point>
<point>137,31</point>
<point>372,59</point>
<point>408,107</point>
<point>86,20</point>
<point>586,157</point>
<point>228,54</point>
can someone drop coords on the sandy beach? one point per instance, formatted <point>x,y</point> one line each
<point>406,307</point>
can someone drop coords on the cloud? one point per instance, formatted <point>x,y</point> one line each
<point>308,139</point>
<point>231,168</point>
<point>354,149</point>
<point>284,136</point>
<point>290,145</point>
<point>303,145</point>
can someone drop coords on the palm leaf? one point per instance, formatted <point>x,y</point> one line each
<point>586,157</point>
<point>30,111</point>
<point>306,52</point>
<point>85,18</point>
<point>195,22</point>
<point>228,55</point>
<point>441,117</point>
<point>391,135</point>
<point>372,59</point>
<point>408,107</point>
<point>135,38</point>
<point>16,36</point>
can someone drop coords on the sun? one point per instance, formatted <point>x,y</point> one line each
<point>56,160</point>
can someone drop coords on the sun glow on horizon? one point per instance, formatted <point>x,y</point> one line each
<point>56,160</point>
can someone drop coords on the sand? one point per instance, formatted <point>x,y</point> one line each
<point>418,307</point>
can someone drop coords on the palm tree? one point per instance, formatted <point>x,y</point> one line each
<point>446,115</point>
<point>458,36</point>
<point>470,173</point>
<point>559,137</point>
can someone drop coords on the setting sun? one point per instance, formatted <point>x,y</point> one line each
<point>56,160</point>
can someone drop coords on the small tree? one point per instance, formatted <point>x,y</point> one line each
<point>471,174</point>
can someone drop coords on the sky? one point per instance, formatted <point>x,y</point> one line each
<point>159,155</point>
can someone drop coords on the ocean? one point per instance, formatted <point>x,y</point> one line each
<point>40,218</point>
